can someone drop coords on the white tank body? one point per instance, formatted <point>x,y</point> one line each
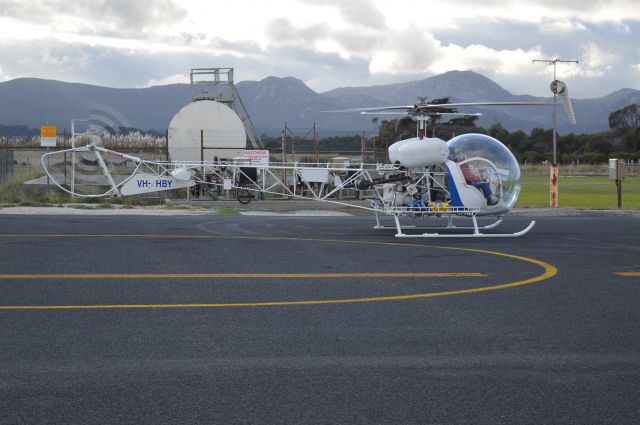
<point>208,124</point>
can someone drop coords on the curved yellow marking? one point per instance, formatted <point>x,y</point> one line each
<point>549,271</point>
<point>628,274</point>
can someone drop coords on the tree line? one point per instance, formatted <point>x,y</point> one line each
<point>621,141</point>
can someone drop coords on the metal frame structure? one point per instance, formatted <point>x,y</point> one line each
<point>290,138</point>
<point>217,84</point>
<point>311,182</point>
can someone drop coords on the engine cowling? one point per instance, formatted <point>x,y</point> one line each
<point>418,153</point>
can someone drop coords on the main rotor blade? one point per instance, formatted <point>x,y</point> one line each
<point>439,105</point>
<point>458,114</point>
<point>434,106</point>
<point>378,108</point>
<point>383,113</point>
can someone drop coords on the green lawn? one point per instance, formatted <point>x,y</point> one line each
<point>580,192</point>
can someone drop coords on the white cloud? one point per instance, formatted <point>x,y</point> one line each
<point>283,31</point>
<point>360,12</point>
<point>411,52</point>
<point>596,62</point>
<point>406,52</point>
<point>358,41</point>
<point>96,16</point>
<point>561,26</point>
<point>485,59</point>
<point>595,57</point>
<point>347,42</point>
<point>595,11</point>
<point>623,29</point>
<point>327,43</point>
<point>169,79</point>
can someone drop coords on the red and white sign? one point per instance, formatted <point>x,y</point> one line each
<point>258,157</point>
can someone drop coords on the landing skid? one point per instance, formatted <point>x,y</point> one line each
<point>449,226</point>
<point>476,229</point>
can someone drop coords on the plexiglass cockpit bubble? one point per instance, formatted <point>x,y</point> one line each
<point>492,159</point>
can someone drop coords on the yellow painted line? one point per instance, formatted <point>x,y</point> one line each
<point>133,235</point>
<point>230,275</point>
<point>548,272</point>
<point>628,274</point>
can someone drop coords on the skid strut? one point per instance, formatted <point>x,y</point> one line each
<point>476,230</point>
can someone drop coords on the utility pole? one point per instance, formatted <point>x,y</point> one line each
<point>555,87</point>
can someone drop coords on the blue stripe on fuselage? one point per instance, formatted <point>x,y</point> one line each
<point>453,189</point>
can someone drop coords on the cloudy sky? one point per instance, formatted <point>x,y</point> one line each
<point>325,43</point>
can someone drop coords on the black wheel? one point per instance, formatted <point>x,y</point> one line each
<point>244,195</point>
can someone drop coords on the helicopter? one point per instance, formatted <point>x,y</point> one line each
<point>472,175</point>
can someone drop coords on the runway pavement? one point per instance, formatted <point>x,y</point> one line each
<point>317,319</point>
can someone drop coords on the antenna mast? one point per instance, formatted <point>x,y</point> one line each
<point>554,62</point>
<point>554,166</point>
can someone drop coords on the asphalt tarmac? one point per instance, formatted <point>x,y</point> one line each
<point>230,319</point>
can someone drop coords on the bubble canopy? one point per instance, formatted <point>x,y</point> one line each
<point>468,146</point>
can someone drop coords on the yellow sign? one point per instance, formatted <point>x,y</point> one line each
<point>48,131</point>
<point>48,136</point>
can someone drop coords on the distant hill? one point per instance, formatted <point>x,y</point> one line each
<point>18,131</point>
<point>465,85</point>
<point>32,101</point>
<point>273,101</point>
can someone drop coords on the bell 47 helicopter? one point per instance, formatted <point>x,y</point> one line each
<point>469,176</point>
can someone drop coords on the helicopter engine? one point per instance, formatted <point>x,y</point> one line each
<point>418,152</point>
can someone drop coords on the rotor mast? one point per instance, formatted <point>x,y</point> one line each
<point>423,119</point>
<point>424,116</point>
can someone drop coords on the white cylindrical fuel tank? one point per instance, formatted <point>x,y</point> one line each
<point>208,124</point>
<point>418,153</point>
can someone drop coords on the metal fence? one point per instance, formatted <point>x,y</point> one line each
<point>20,163</point>
<point>631,169</point>
<point>20,160</point>
<point>6,164</point>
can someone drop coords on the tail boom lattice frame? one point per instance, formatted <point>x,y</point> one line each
<point>274,181</point>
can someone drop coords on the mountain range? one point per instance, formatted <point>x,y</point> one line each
<point>273,101</point>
